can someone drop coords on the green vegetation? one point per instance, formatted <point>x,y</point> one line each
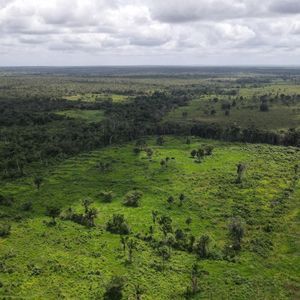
<point>85,258</point>
<point>86,115</point>
<point>149,183</point>
<point>97,97</point>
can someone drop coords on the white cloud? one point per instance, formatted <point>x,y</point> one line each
<point>148,31</point>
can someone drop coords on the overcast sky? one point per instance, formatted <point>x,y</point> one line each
<point>149,32</point>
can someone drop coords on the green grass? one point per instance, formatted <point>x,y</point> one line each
<point>279,117</point>
<point>88,97</point>
<point>73,262</point>
<point>86,115</point>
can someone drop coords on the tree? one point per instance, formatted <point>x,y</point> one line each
<point>208,150</point>
<point>188,141</point>
<point>241,169</point>
<point>86,204</point>
<point>107,196</point>
<point>114,289</point>
<point>149,153</point>
<point>160,141</point>
<point>131,245</point>
<point>200,154</point>
<point>124,240</point>
<point>154,215</point>
<point>132,198</point>
<point>181,199</point>
<point>90,217</point>
<point>202,246</point>
<point>193,153</point>
<point>53,212</point>
<point>38,181</point>
<point>196,273</point>
<point>138,291</point>
<point>170,201</point>
<point>163,163</point>
<point>236,233</point>
<point>170,241</point>
<point>163,252</point>
<point>165,223</point>
<point>118,225</point>
<point>188,221</point>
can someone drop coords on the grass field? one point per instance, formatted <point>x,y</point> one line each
<point>278,117</point>
<point>97,97</point>
<point>71,261</point>
<point>86,115</point>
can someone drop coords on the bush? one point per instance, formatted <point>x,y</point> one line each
<point>6,201</point>
<point>5,230</point>
<point>118,225</point>
<point>133,198</point>
<point>27,206</point>
<point>107,196</point>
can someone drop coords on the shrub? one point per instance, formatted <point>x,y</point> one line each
<point>27,206</point>
<point>5,230</point>
<point>114,289</point>
<point>107,196</point>
<point>118,225</point>
<point>133,198</point>
<point>6,201</point>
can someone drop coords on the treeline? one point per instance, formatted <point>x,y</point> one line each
<point>231,133</point>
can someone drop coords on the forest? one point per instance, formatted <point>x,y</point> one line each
<point>149,183</point>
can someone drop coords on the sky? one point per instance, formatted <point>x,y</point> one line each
<point>149,32</point>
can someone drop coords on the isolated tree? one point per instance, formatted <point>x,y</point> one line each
<point>188,141</point>
<point>163,252</point>
<point>163,163</point>
<point>124,240</point>
<point>132,198</point>
<point>149,153</point>
<point>181,199</point>
<point>170,241</point>
<point>192,240</point>
<point>200,154</point>
<point>86,204</point>
<point>141,143</point>
<point>160,141</point>
<point>170,201</point>
<point>208,150</point>
<point>202,246</point>
<point>90,217</point>
<point>131,246</point>
<point>236,233</point>
<point>138,291</point>
<point>195,274</point>
<point>165,223</point>
<point>188,221</point>
<point>193,153</point>
<point>38,181</point>
<point>107,196</point>
<point>241,169</point>
<point>118,225</point>
<point>53,212</point>
<point>114,289</point>
<point>154,215</point>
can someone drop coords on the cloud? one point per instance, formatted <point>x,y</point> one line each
<point>286,6</point>
<point>194,31</point>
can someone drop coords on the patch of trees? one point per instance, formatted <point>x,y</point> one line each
<point>232,133</point>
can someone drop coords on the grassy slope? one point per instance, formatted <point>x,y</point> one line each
<point>86,115</point>
<point>76,262</point>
